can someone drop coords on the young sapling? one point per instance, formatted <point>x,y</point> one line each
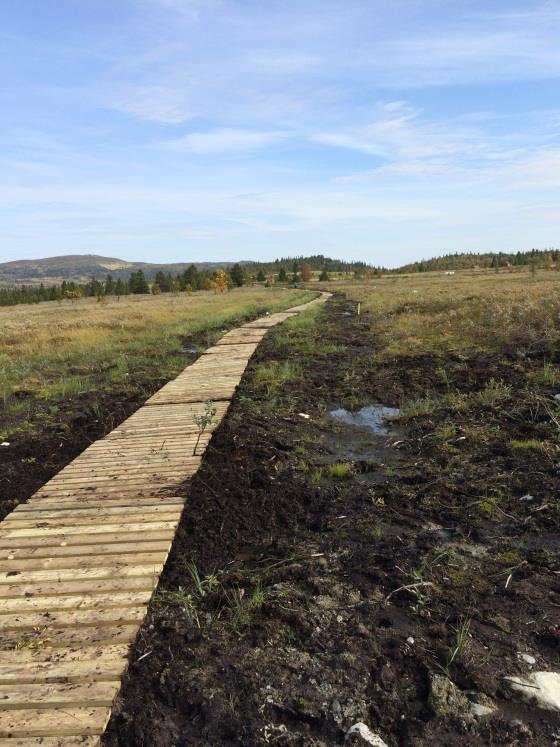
<point>203,421</point>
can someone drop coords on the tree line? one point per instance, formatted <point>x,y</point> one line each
<point>285,270</point>
<point>190,280</point>
<point>543,258</point>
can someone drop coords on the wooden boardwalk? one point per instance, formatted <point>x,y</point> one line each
<point>80,560</point>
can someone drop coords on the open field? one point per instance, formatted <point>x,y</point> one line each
<point>70,371</point>
<point>326,574</point>
<point>326,571</point>
<point>435,313</point>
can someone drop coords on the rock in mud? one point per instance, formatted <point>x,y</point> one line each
<point>360,733</point>
<point>445,698</point>
<point>479,710</point>
<point>481,705</point>
<point>540,688</point>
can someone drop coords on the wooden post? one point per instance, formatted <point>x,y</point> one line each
<point>359,307</point>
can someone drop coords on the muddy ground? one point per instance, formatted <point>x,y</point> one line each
<point>281,617</point>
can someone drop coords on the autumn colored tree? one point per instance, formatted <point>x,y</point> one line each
<point>306,273</point>
<point>221,282</point>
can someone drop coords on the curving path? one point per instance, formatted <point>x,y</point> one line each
<point>80,560</point>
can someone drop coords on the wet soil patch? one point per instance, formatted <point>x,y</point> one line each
<point>297,602</point>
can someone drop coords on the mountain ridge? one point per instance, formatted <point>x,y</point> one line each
<point>82,267</point>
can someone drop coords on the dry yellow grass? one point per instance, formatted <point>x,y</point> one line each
<point>55,348</point>
<point>433,312</point>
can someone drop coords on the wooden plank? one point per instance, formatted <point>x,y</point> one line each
<point>45,639</point>
<point>73,741</point>
<point>76,552</point>
<point>182,398</point>
<point>186,411</point>
<point>73,619</point>
<point>144,450</point>
<point>92,694</point>
<point>176,430</point>
<point>122,489</point>
<point>174,500</point>
<point>53,505</point>
<point>100,474</point>
<point>132,557</point>
<point>82,602</point>
<point>89,519</point>
<point>78,586</point>
<point>38,513</point>
<point>6,533</point>
<point>106,538</point>
<point>179,445</point>
<point>64,655</point>
<point>242,334</point>
<point>115,570</point>
<point>102,669</point>
<point>154,440</point>
<point>55,722</point>
<point>149,455</point>
<point>152,447</point>
<point>167,471</point>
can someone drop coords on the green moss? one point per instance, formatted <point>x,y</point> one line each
<point>507,559</point>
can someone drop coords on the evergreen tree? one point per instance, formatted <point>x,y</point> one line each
<point>138,283</point>
<point>164,281</point>
<point>109,286</point>
<point>237,275</point>
<point>190,278</point>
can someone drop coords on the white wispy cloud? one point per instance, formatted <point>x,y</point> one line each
<point>404,142</point>
<point>223,140</point>
<point>226,57</point>
<point>216,126</point>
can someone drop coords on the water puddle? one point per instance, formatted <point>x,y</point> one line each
<point>373,417</point>
<point>366,437</point>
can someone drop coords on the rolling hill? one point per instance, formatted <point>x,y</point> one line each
<point>82,267</point>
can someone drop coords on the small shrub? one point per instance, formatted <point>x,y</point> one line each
<point>415,408</point>
<point>270,377</point>
<point>341,470</point>
<point>493,394</point>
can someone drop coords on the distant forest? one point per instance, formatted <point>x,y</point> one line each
<point>545,258</point>
<point>191,279</point>
<point>284,270</point>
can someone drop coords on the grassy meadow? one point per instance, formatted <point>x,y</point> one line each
<point>58,350</point>
<point>438,313</point>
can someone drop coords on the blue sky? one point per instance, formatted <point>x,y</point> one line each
<point>178,130</point>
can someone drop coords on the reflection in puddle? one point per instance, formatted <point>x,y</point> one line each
<point>372,417</point>
<point>366,437</point>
